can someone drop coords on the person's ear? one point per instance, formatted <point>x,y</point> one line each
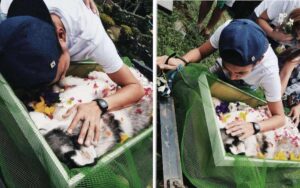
<point>61,35</point>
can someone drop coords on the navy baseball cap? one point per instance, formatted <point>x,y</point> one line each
<point>29,47</point>
<point>242,42</point>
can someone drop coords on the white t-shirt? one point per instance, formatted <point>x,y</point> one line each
<point>264,75</point>
<point>275,7</point>
<point>86,36</point>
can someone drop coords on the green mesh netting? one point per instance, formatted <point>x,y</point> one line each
<point>27,161</point>
<point>201,151</point>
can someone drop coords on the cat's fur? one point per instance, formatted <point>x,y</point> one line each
<point>253,146</point>
<point>281,143</point>
<point>128,121</point>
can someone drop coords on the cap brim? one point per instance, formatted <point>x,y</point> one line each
<point>34,8</point>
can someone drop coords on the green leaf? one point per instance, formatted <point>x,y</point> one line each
<point>127,61</point>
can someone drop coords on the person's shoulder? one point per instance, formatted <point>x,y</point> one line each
<point>225,24</point>
<point>215,37</point>
<point>269,63</point>
<point>270,56</point>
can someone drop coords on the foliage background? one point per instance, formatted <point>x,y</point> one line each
<point>169,40</point>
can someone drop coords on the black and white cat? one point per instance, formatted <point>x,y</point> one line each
<point>279,144</point>
<point>116,126</point>
<point>262,144</point>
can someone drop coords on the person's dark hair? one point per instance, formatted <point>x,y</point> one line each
<point>232,57</point>
<point>295,15</point>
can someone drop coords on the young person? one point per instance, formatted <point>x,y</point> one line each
<point>289,61</point>
<point>204,9</point>
<point>39,39</point>
<point>247,59</point>
<point>289,75</point>
<point>269,17</point>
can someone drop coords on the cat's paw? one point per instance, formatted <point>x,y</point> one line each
<point>84,156</point>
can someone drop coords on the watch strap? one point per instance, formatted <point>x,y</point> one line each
<point>256,127</point>
<point>102,104</point>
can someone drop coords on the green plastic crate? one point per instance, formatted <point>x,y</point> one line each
<point>211,87</point>
<point>26,160</point>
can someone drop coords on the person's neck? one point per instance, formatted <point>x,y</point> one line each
<point>57,21</point>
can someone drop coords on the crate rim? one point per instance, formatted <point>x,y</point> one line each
<point>77,178</point>
<point>221,159</point>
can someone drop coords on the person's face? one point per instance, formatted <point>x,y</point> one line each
<point>64,60</point>
<point>63,66</point>
<point>237,72</point>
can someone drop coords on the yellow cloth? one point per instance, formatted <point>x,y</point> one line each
<point>43,108</point>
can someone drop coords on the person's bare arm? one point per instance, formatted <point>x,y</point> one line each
<point>295,114</point>
<point>199,53</point>
<point>90,113</point>
<point>244,130</point>
<point>91,5</point>
<point>285,75</point>
<point>263,20</point>
<point>192,56</point>
<point>286,71</point>
<point>278,118</point>
<point>131,90</point>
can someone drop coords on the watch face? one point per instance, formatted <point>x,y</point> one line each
<point>256,127</point>
<point>103,104</point>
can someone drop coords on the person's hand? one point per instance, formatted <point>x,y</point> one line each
<point>173,63</point>
<point>240,129</point>
<point>89,114</point>
<point>294,62</point>
<point>295,113</point>
<point>280,36</point>
<point>91,5</point>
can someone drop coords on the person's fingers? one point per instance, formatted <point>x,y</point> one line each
<point>294,116</point>
<point>168,67</point>
<point>174,62</point>
<point>94,7</point>
<point>233,124</point>
<point>237,132</point>
<point>83,131</point>
<point>297,120</point>
<point>244,136</point>
<point>160,66</point>
<point>74,122</point>
<point>233,129</point>
<point>288,38</point>
<point>87,3</point>
<point>161,60</point>
<point>70,111</point>
<point>97,130</point>
<point>97,133</point>
<point>90,134</point>
<point>291,112</point>
<point>296,59</point>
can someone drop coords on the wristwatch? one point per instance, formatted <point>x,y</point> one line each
<point>102,105</point>
<point>256,127</point>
